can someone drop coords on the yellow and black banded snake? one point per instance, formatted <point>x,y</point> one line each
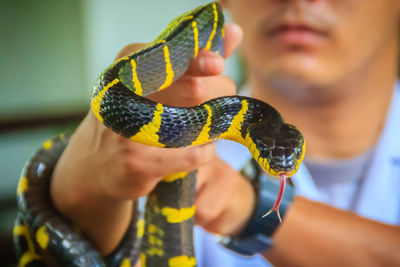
<point>161,231</point>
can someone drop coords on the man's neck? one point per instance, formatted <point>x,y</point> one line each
<point>340,126</point>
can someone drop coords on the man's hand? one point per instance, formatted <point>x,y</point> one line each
<point>100,173</point>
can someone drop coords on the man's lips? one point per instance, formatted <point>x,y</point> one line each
<point>296,34</point>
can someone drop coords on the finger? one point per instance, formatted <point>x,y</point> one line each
<point>186,159</point>
<point>190,91</point>
<point>160,162</point>
<point>137,169</point>
<point>207,63</point>
<point>233,217</point>
<point>214,186</point>
<point>233,37</point>
<point>224,200</point>
<point>129,49</point>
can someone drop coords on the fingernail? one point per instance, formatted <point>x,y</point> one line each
<point>235,27</point>
<point>218,61</point>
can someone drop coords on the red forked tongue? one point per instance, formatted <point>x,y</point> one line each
<point>278,199</point>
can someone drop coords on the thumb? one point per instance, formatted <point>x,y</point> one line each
<point>233,37</point>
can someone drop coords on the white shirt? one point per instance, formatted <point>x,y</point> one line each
<point>377,196</point>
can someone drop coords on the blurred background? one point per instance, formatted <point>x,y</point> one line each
<point>50,54</point>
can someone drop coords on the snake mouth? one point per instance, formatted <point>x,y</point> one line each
<point>288,171</point>
<point>280,167</point>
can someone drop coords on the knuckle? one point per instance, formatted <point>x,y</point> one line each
<point>136,191</point>
<point>194,158</point>
<point>130,181</point>
<point>200,155</point>
<point>133,166</point>
<point>206,213</point>
<point>194,89</point>
<point>133,157</point>
<point>133,187</point>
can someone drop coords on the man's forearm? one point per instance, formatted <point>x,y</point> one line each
<point>314,234</point>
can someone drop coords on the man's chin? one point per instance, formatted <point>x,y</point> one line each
<point>300,83</point>
<point>303,68</point>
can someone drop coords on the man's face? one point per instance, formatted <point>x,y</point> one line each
<point>313,43</point>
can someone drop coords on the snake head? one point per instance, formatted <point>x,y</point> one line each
<point>279,149</point>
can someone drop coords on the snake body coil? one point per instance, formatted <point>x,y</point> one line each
<point>161,231</point>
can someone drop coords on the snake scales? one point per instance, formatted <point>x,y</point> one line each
<point>161,232</point>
